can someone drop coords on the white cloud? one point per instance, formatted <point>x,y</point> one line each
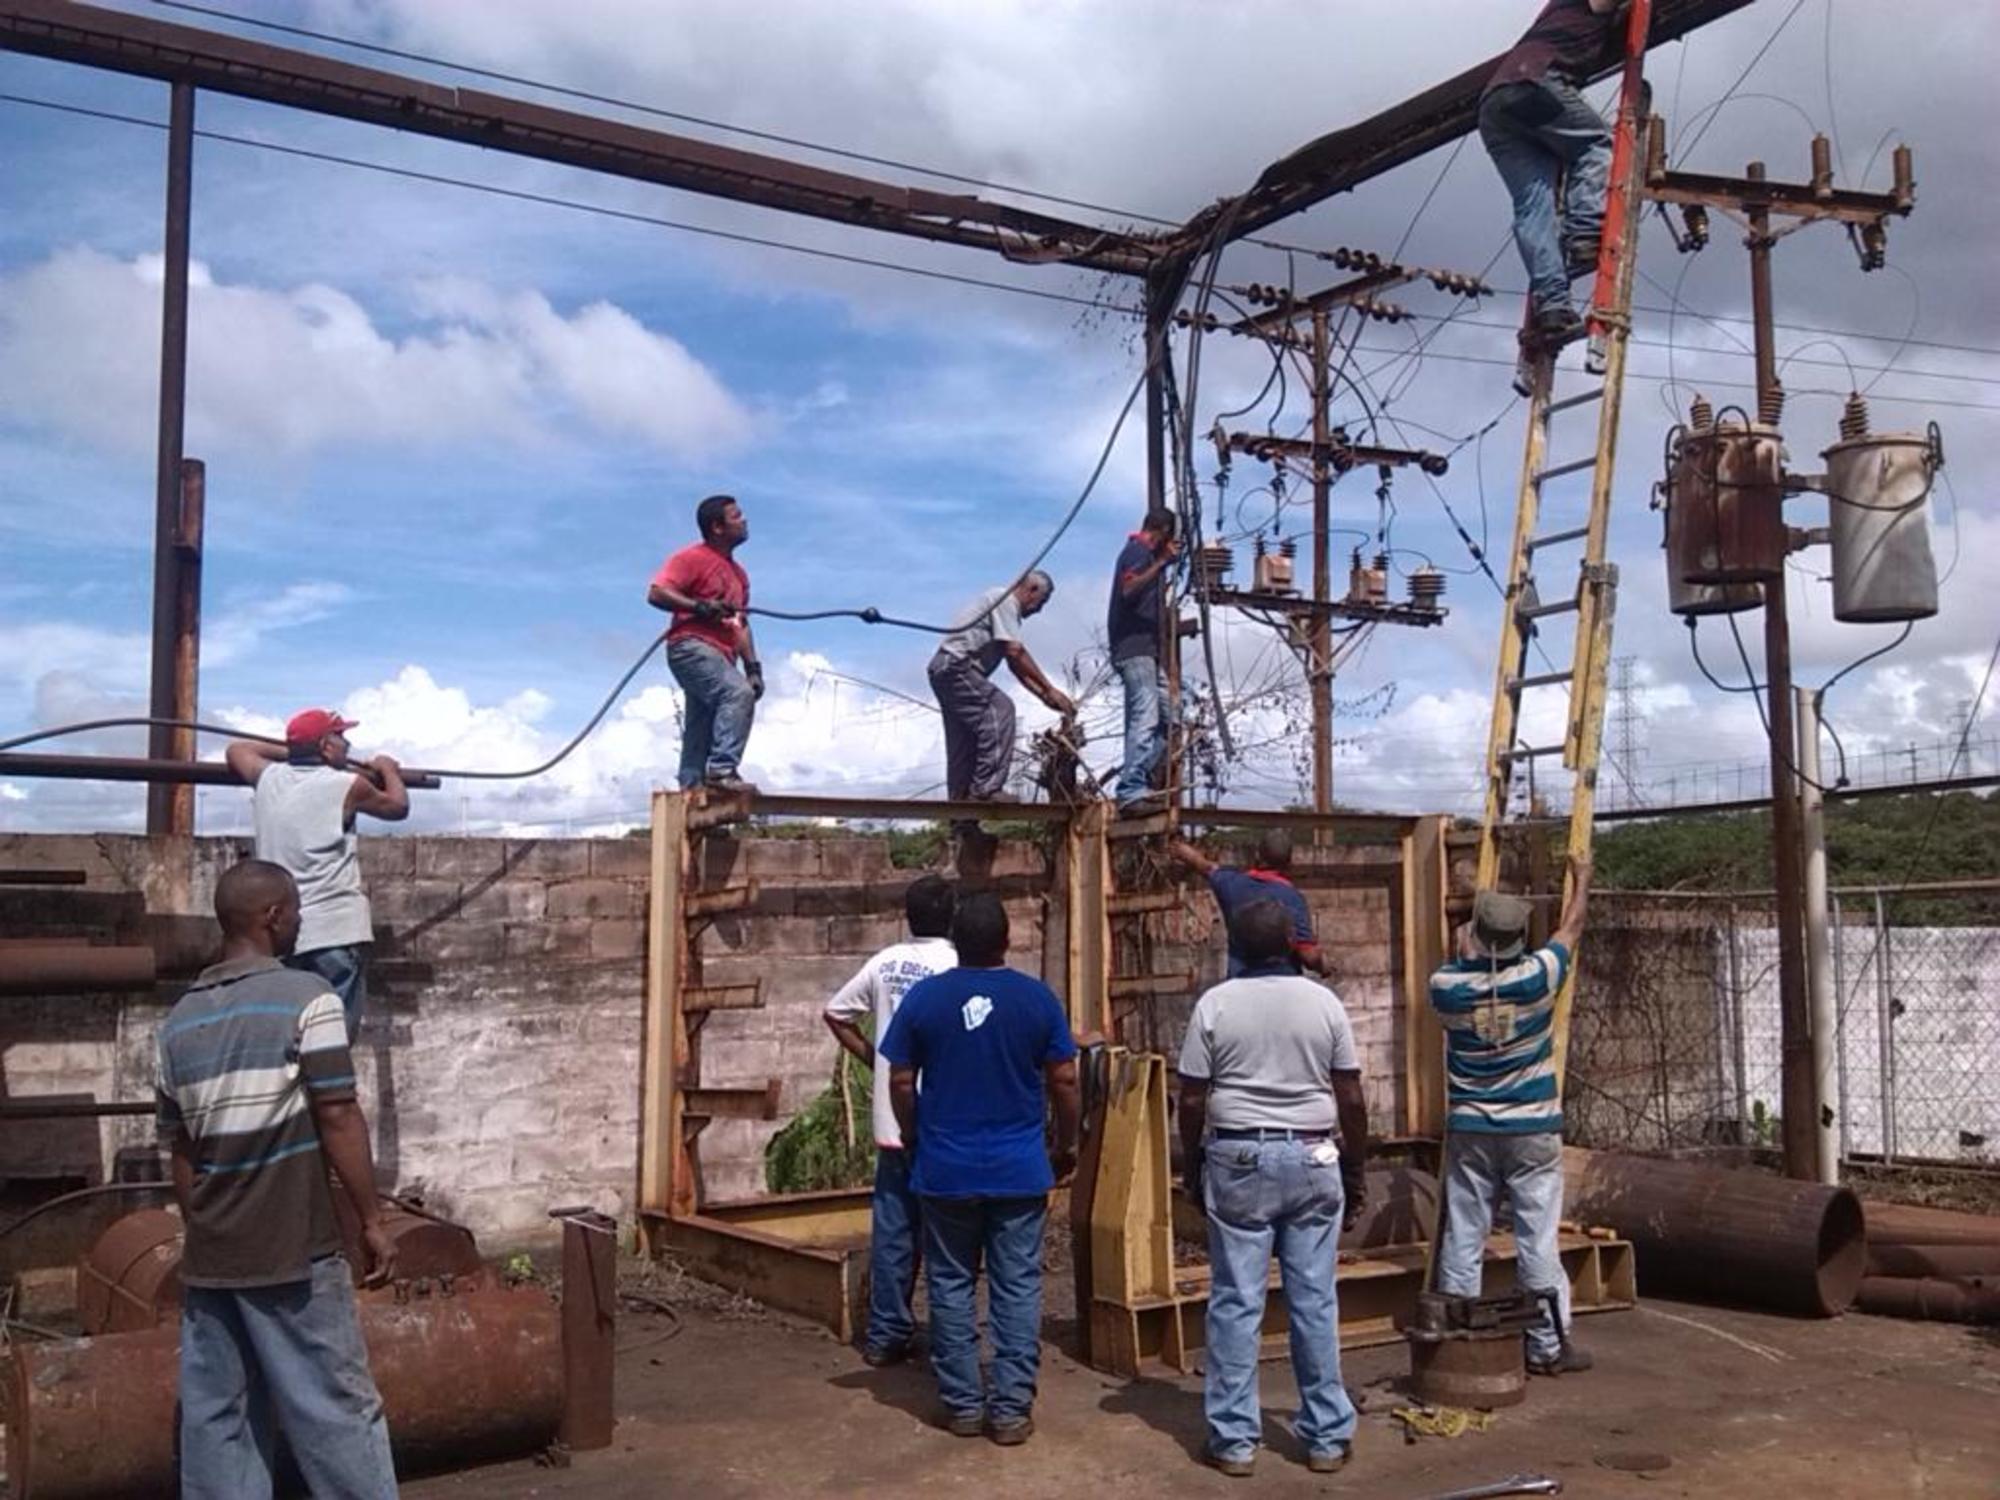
<point>301,369</point>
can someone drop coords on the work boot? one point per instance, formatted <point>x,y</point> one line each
<point>965,1423</point>
<point>1330,1460</point>
<point>1580,259</point>
<point>1572,1360</point>
<point>1556,326</point>
<point>1144,805</point>
<point>1236,1466</point>
<point>881,1356</point>
<point>731,786</point>
<point>1012,1434</point>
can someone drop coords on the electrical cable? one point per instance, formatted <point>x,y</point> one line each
<point>1684,152</point>
<point>97,1190</point>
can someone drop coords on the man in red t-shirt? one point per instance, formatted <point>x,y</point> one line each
<point>706,591</point>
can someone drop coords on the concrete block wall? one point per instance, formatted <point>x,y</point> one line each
<point>824,906</point>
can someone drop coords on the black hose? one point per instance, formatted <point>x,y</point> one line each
<point>98,1191</point>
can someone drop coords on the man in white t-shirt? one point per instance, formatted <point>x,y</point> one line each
<point>978,714</point>
<point>875,992</point>
<point>306,796</point>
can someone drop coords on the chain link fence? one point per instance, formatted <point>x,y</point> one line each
<point>1675,1035</point>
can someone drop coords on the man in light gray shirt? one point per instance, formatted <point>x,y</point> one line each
<point>978,716</point>
<point>305,798</point>
<point>1269,1073</point>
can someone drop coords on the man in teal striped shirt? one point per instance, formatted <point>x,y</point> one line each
<point>1497,1001</point>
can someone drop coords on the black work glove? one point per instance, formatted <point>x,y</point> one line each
<point>754,670</point>
<point>709,609</point>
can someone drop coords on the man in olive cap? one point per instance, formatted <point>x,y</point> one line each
<point>1504,1132</point>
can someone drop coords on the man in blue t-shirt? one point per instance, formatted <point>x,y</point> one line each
<point>975,1054</point>
<point>1268,879</point>
<point>1132,626</point>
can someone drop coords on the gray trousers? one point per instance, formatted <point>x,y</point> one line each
<point>978,730</point>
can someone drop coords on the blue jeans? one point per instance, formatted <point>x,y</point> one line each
<point>892,1252</point>
<point>290,1358</point>
<point>346,969</point>
<point>1529,1168</point>
<point>1263,1195</point>
<point>1145,725</point>
<point>1007,1234</point>
<point>716,712</point>
<point>1539,134</point>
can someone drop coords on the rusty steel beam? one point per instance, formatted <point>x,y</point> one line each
<point>589,1325</point>
<point>123,43</point>
<point>42,877</point>
<point>1346,158</point>
<point>70,968</point>
<point>32,1108</point>
<point>140,768</point>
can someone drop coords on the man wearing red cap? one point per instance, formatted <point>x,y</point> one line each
<point>305,799</point>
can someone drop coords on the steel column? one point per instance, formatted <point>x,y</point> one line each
<point>160,800</point>
<point>1319,649</point>
<point>1819,964</point>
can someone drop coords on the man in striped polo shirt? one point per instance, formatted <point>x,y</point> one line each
<point>256,1101</point>
<point>1497,1002</point>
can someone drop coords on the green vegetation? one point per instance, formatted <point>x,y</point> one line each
<point>1888,841</point>
<point>831,1142</point>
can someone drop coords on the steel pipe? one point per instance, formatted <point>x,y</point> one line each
<point>1899,1224</point>
<point>1731,1236</point>
<point>64,968</point>
<point>1920,1261</point>
<point>1962,1300</point>
<point>142,768</point>
<point>463,1375</point>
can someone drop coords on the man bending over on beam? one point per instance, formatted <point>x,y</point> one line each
<point>706,591</point>
<point>1503,1132</point>
<point>256,1101</point>
<point>978,716</point>
<point>305,799</point>
<point>1547,142</point>
<point>875,993</point>
<point>1269,879</point>
<point>989,1047</point>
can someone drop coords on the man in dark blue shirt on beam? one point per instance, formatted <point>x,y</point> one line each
<point>1132,626</point>
<point>1267,879</point>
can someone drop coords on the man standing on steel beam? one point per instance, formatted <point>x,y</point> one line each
<point>1503,1132</point>
<point>1269,1071</point>
<point>1132,626</point>
<point>255,1092</point>
<point>978,716</point>
<point>876,992</point>
<point>304,799</point>
<point>706,591</point>
<point>1269,879</point>
<point>989,1048</point>
<point>1547,142</point>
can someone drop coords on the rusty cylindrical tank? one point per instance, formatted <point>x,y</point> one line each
<point>463,1374</point>
<point>131,1277</point>
<point>1736,1236</point>
<point>1970,1299</point>
<point>1724,502</point>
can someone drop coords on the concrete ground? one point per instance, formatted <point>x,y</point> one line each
<point>1685,1401</point>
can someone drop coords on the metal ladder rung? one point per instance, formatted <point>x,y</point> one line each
<point>1543,679</point>
<point>1542,611</point>
<point>1575,466</point>
<point>1570,403</point>
<point>1531,752</point>
<point>1556,538</point>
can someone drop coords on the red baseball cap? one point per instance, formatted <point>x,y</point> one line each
<point>311,725</point>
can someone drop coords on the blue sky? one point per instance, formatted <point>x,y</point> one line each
<point>450,435</point>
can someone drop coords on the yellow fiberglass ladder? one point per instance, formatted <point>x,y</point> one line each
<point>1526,666</point>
